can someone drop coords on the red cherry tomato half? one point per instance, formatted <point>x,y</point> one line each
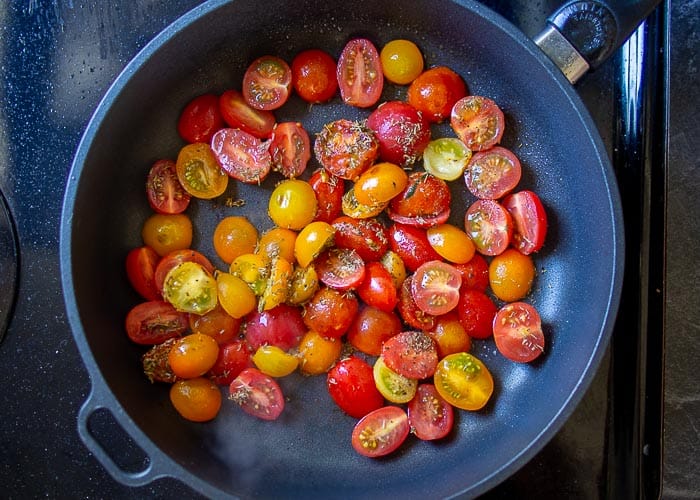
<point>476,311</point>
<point>429,416</point>
<point>200,119</point>
<point>340,268</point>
<point>412,354</point>
<point>346,148</point>
<point>330,312</point>
<point>377,288</point>
<point>402,132</point>
<point>281,326</point>
<point>517,330</point>
<point>475,273</point>
<point>425,201</point>
<point>380,432</point>
<point>351,385</point>
<point>329,191</point>
<point>154,322</point>
<point>529,220</point>
<point>267,83</point>
<point>176,257</point>
<point>412,315</point>
<point>368,237</point>
<point>242,155</point>
<point>489,225</point>
<point>478,122</point>
<point>435,92</point>
<point>290,149</point>
<point>237,114</point>
<point>164,190</point>
<point>234,357</point>
<point>412,245</point>
<point>141,266</point>
<point>493,173</point>
<point>359,73</point>
<point>313,75</point>
<point>257,394</point>
<point>435,287</point>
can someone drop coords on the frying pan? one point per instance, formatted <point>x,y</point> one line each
<point>306,451</point>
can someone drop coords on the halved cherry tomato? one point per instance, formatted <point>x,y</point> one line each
<point>193,355</point>
<point>529,220</point>
<point>253,268</point>
<point>313,75</point>
<point>429,415</point>
<point>435,287</point>
<point>303,285</point>
<point>446,158</point>
<point>511,274</point>
<point>424,202</point>
<point>257,394</point>
<point>402,131</point>
<point>197,399</point>
<point>317,353</point>
<point>412,245</point>
<point>290,149</point>
<point>313,239</point>
<point>517,330</point>
<point>475,273</point>
<point>277,288</point>
<point>292,204</point>
<point>155,363</point>
<point>396,267</point>
<point>242,155</point>
<point>330,312</point>
<point>380,432</point>
<point>340,268</point>
<point>329,191</point>
<point>493,173</point>
<point>155,322</point>
<point>237,114</point>
<point>489,225</point>
<point>371,327</point>
<point>351,385</point>
<point>435,91</point>
<point>234,357</point>
<point>412,315</point>
<point>368,237</point>
<point>141,266</point>
<point>176,257</point>
<point>449,335</point>
<point>277,242</point>
<point>464,381</point>
<point>411,353</point>
<point>234,295</point>
<point>377,288</point>
<point>267,83</point>
<point>346,148</point>
<point>476,311</point>
<point>359,73</point>
<point>478,122</point>
<point>282,326</point>
<point>199,172</point>
<point>217,323</point>
<point>380,183</point>
<point>402,61</point>
<point>200,119</point>
<point>166,233</point>
<point>393,386</point>
<point>190,288</point>
<point>273,361</point>
<point>451,243</point>
<point>353,208</point>
<point>234,236</point>
<point>166,195</point>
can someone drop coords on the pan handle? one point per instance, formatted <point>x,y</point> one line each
<point>154,468</point>
<point>582,34</point>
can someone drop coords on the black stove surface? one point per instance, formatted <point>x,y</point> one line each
<point>57,60</point>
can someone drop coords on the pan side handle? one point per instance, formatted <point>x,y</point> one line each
<point>153,468</point>
<point>582,34</point>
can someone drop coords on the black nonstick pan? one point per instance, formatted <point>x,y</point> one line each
<point>306,452</point>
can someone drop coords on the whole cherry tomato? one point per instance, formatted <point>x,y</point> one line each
<point>435,91</point>
<point>314,75</point>
<point>402,131</point>
<point>351,385</point>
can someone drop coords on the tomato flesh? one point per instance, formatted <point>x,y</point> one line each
<point>238,114</point>
<point>424,202</point>
<point>493,173</point>
<point>380,432</point>
<point>429,415</point>
<point>154,322</point>
<point>435,287</point>
<point>346,148</point>
<point>257,394</point>
<point>529,221</point>
<point>464,381</point>
<point>340,268</point>
<point>359,73</point>
<point>517,330</point>
<point>478,122</point>
<point>489,225</point>
<point>267,83</point>
<point>242,155</point>
<point>166,195</point>
<point>290,149</point>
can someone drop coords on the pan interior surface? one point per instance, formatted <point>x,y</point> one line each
<point>307,450</point>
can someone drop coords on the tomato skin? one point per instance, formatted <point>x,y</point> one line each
<point>392,385</point>
<point>154,322</point>
<point>402,61</point>
<point>292,204</point>
<point>476,311</point>
<point>411,353</point>
<point>200,118</point>
<point>489,225</point>
<point>412,245</point>
<point>402,132</point>
<point>290,149</point>
<point>493,173</point>
<point>317,353</point>
<point>267,83</point>
<point>377,288</point>
<point>511,274</point>
<point>410,312</point>
<point>242,155</point>
<point>237,114</point>
<point>165,233</point>
<point>141,266</point>
<point>313,75</point>
<point>346,148</point>
<point>351,386</point>
<point>529,221</point>
<point>371,327</point>
<point>517,330</point>
<point>478,122</point>
<point>330,312</point>
<point>217,323</point>
<point>424,202</point>
<point>165,193</point>
<point>435,287</point>
<point>435,92</point>
<point>475,273</point>
<point>453,244</point>
<point>429,415</point>
<point>281,326</point>
<point>341,269</point>
<point>176,257</point>
<point>233,358</point>
<point>329,191</point>
<point>368,237</point>
<point>380,183</point>
<point>313,239</point>
<point>257,394</point>
<point>234,236</point>
<point>380,432</point>
<point>449,335</point>
<point>193,355</point>
<point>197,399</point>
<point>359,73</point>
<point>464,381</point>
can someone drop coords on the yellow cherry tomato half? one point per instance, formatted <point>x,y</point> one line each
<point>277,284</point>
<point>190,288</point>
<point>402,61</point>
<point>393,386</point>
<point>273,361</point>
<point>166,233</point>
<point>234,236</point>
<point>511,274</point>
<point>303,285</point>
<point>353,208</point>
<point>235,296</point>
<point>393,263</point>
<point>193,355</point>
<point>199,172</point>
<point>277,242</point>
<point>312,240</point>
<point>380,183</point>
<point>451,243</point>
<point>463,381</point>
<point>292,204</point>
